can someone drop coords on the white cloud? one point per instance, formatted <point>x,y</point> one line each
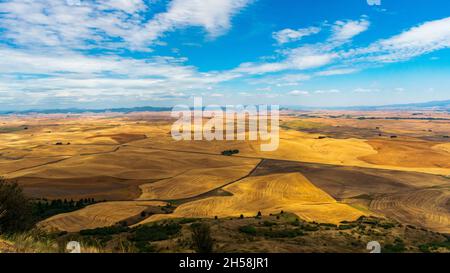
<point>72,76</point>
<point>329,91</point>
<point>289,35</point>
<point>428,36</point>
<point>341,71</point>
<point>261,68</point>
<point>365,90</point>
<point>307,58</point>
<point>86,24</point>
<point>345,30</point>
<point>213,16</point>
<point>298,93</point>
<point>128,6</point>
<point>423,39</point>
<point>302,58</point>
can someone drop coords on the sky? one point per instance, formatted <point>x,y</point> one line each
<point>126,53</point>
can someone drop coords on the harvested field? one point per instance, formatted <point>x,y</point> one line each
<point>347,182</point>
<point>416,198</point>
<point>269,194</point>
<point>98,187</point>
<point>404,153</point>
<point>121,138</point>
<point>120,157</point>
<point>193,182</point>
<point>97,215</point>
<point>428,208</point>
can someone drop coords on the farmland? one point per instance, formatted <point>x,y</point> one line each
<point>330,168</point>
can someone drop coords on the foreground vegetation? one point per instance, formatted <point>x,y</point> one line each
<point>283,232</point>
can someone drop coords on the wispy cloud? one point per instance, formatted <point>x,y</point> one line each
<point>74,51</point>
<point>346,30</point>
<point>337,71</point>
<point>419,40</point>
<point>298,93</point>
<point>290,35</point>
<point>109,23</point>
<point>329,91</point>
<point>366,90</point>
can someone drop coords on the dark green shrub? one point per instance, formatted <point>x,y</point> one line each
<point>251,230</point>
<point>426,248</point>
<point>394,248</point>
<point>15,209</point>
<point>187,220</point>
<point>386,225</point>
<point>102,231</point>
<point>284,233</point>
<point>230,152</point>
<point>269,224</point>
<point>201,237</point>
<point>310,228</point>
<point>144,247</point>
<point>344,227</point>
<point>155,232</point>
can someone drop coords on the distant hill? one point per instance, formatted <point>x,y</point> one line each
<point>437,105</point>
<point>432,105</point>
<point>443,105</point>
<point>80,111</point>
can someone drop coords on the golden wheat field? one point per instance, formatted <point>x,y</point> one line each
<point>328,168</point>
<point>269,194</point>
<point>98,215</point>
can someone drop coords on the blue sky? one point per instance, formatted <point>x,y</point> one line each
<point>125,53</point>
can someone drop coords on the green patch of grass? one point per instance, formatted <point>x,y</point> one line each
<point>310,227</point>
<point>155,232</point>
<point>301,125</point>
<point>13,129</point>
<point>144,247</point>
<point>368,220</point>
<point>397,247</point>
<point>269,223</point>
<point>288,217</point>
<point>386,225</point>
<point>328,225</point>
<point>432,247</point>
<point>345,227</point>
<point>187,220</point>
<point>284,233</point>
<point>251,230</point>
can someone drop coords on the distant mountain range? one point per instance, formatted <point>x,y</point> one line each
<point>80,111</point>
<point>443,105</point>
<point>432,105</point>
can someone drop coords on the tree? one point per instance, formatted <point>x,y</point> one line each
<point>201,237</point>
<point>15,208</point>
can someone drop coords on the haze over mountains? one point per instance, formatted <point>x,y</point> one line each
<point>432,105</point>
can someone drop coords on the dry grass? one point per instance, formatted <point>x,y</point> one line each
<point>406,153</point>
<point>97,215</point>
<point>426,208</point>
<point>269,194</point>
<point>194,182</point>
